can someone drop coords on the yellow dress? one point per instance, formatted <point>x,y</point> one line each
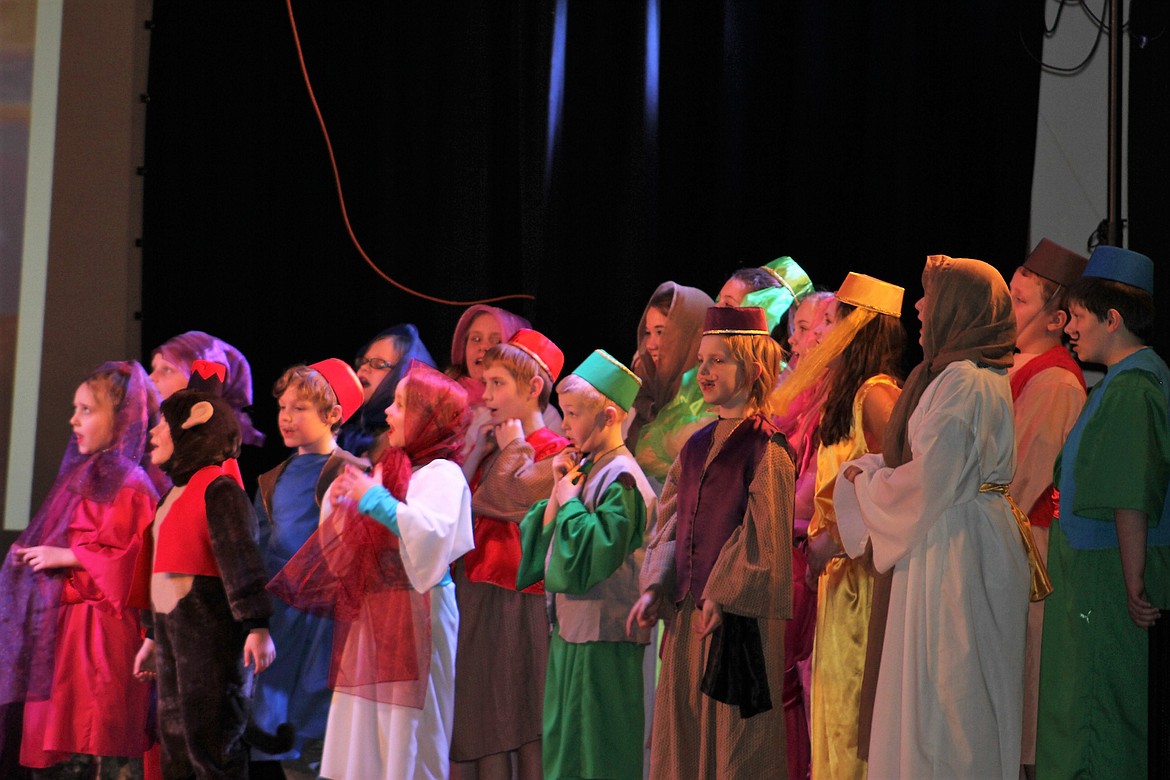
<point>843,601</point>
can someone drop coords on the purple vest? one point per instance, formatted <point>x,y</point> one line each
<point>712,502</point>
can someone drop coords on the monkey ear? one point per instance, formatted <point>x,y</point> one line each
<point>200,413</point>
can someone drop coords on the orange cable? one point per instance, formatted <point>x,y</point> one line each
<point>341,195</point>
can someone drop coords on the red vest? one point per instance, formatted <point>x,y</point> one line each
<point>496,557</point>
<point>712,502</point>
<point>184,542</point>
<point>1047,506</point>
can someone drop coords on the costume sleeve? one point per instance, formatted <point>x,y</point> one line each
<point>894,508</point>
<point>535,537</point>
<point>752,576</point>
<point>1044,413</point>
<point>263,523</point>
<point>512,482</point>
<point>434,523</point>
<point>658,565</point>
<point>231,524</point>
<point>380,505</point>
<point>587,547</point>
<point>1124,458</point>
<point>108,539</point>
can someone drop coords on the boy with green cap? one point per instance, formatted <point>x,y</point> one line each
<point>586,541</point>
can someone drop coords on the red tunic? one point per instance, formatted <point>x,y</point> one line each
<point>96,707</point>
<point>496,557</point>
<point>1047,506</point>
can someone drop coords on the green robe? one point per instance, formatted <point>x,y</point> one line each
<point>1094,664</point>
<point>593,708</point>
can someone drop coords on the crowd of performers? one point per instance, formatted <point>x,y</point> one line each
<point>756,551</point>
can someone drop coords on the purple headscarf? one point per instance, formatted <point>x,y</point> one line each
<point>184,349</point>
<point>28,599</point>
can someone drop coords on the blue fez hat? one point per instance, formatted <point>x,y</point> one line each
<point>1122,265</point>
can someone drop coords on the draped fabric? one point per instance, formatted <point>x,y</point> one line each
<point>352,567</point>
<point>29,606</point>
<point>358,433</point>
<point>184,349</point>
<point>967,316</point>
<point>677,352</point>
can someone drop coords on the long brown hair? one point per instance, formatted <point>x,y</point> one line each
<point>876,349</point>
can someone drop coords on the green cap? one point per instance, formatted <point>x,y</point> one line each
<point>775,301</point>
<point>610,378</point>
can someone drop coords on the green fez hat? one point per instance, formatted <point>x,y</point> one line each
<point>775,301</point>
<point>610,378</point>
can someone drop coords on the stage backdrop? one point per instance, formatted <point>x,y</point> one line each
<point>579,152</point>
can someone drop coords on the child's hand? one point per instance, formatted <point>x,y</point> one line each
<point>258,649</point>
<point>645,612</point>
<point>565,461</point>
<point>1141,611</point>
<point>851,473</point>
<point>509,431</point>
<point>485,439</point>
<point>710,618</point>
<point>821,549</point>
<point>568,487</point>
<point>144,662</point>
<point>353,483</point>
<point>45,557</point>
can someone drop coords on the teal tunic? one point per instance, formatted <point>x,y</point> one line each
<point>1094,662</point>
<point>593,709</point>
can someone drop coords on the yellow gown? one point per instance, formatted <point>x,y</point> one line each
<point>843,602</point>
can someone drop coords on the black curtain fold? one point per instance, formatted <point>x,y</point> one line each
<point>857,136</point>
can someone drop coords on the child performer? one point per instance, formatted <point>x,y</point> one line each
<point>949,692</point>
<point>1048,391</point>
<point>860,360</point>
<point>788,286</point>
<point>207,588</point>
<point>479,329</point>
<point>73,583</point>
<point>503,634</point>
<point>313,401</point>
<point>722,562</point>
<point>798,418</point>
<point>586,542</point>
<point>669,407</point>
<point>1110,546</point>
<point>380,365</point>
<point>380,562</point>
<point>171,365</point>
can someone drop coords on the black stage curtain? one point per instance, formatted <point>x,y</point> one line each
<point>691,138</point>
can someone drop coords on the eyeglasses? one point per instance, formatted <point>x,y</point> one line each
<point>378,364</point>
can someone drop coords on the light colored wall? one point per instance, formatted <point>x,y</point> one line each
<point>1069,195</point>
<point>92,289</point>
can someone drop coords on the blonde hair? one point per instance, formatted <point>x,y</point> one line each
<point>522,367</point>
<point>309,385</point>
<point>764,351</point>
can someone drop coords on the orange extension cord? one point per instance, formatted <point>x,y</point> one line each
<point>341,195</point>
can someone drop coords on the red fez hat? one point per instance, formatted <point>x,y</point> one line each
<point>541,349</point>
<point>344,382</point>
<point>730,321</point>
<point>1055,263</point>
<point>207,376</point>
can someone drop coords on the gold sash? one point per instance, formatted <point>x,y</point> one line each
<point>1041,586</point>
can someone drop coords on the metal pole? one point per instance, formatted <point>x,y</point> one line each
<point>1116,39</point>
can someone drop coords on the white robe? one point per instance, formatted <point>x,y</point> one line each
<point>369,740</point>
<point>949,694</point>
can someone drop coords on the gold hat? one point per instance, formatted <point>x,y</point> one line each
<point>865,292</point>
